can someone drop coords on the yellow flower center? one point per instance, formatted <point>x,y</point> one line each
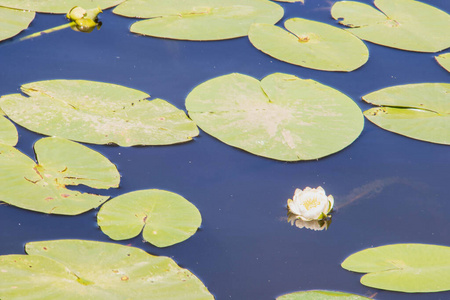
<point>311,203</point>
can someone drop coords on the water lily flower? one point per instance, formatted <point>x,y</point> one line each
<point>311,204</point>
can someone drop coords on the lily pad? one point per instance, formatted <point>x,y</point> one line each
<point>57,6</point>
<point>167,218</point>
<point>320,295</point>
<point>403,24</point>
<point>79,269</point>
<point>198,19</point>
<point>310,44</point>
<point>281,117</point>
<point>8,132</point>
<point>444,60</point>
<point>419,111</point>
<point>410,268</point>
<point>13,21</point>
<point>42,187</point>
<point>97,113</point>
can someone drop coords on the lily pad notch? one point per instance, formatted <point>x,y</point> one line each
<point>310,44</point>
<point>403,24</point>
<point>73,269</point>
<point>281,117</point>
<point>97,113</point>
<point>420,111</point>
<point>195,20</point>
<point>41,186</point>
<point>165,218</point>
<point>409,268</point>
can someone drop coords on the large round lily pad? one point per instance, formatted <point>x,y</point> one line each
<point>282,117</point>
<point>320,295</point>
<point>419,111</point>
<point>444,60</point>
<point>403,24</point>
<point>13,21</point>
<point>411,268</point>
<point>42,187</point>
<point>97,113</point>
<point>310,44</point>
<point>198,19</point>
<point>57,6</point>
<point>79,269</point>
<point>167,218</point>
<point>8,132</point>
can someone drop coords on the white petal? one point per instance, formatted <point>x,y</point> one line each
<point>331,201</point>
<point>320,190</point>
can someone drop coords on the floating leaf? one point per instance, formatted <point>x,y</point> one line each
<point>410,268</point>
<point>403,24</point>
<point>198,20</point>
<point>79,269</point>
<point>419,111</point>
<point>8,132</point>
<point>167,218</point>
<point>97,113</point>
<point>41,187</point>
<point>320,295</point>
<point>57,6</point>
<point>282,117</point>
<point>13,21</point>
<point>310,44</point>
<point>444,60</point>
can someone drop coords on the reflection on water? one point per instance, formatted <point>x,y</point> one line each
<point>315,225</point>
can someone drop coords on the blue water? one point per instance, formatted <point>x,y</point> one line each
<point>245,249</point>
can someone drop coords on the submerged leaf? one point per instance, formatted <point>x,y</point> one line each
<point>41,187</point>
<point>198,19</point>
<point>8,132</point>
<point>404,24</point>
<point>444,60</point>
<point>97,113</point>
<point>79,269</point>
<point>167,218</point>
<point>13,21</point>
<point>282,117</point>
<point>419,111</point>
<point>410,268</point>
<point>320,295</point>
<point>310,44</point>
<point>57,6</point>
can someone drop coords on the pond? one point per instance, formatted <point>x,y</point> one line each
<point>393,187</point>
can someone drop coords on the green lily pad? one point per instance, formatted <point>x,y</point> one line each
<point>444,60</point>
<point>198,19</point>
<point>57,6</point>
<point>13,21</point>
<point>410,268</point>
<point>320,295</point>
<point>310,44</point>
<point>8,132</point>
<point>167,218</point>
<point>42,187</point>
<point>79,269</point>
<point>282,117</point>
<point>97,113</point>
<point>402,24</point>
<point>419,111</point>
